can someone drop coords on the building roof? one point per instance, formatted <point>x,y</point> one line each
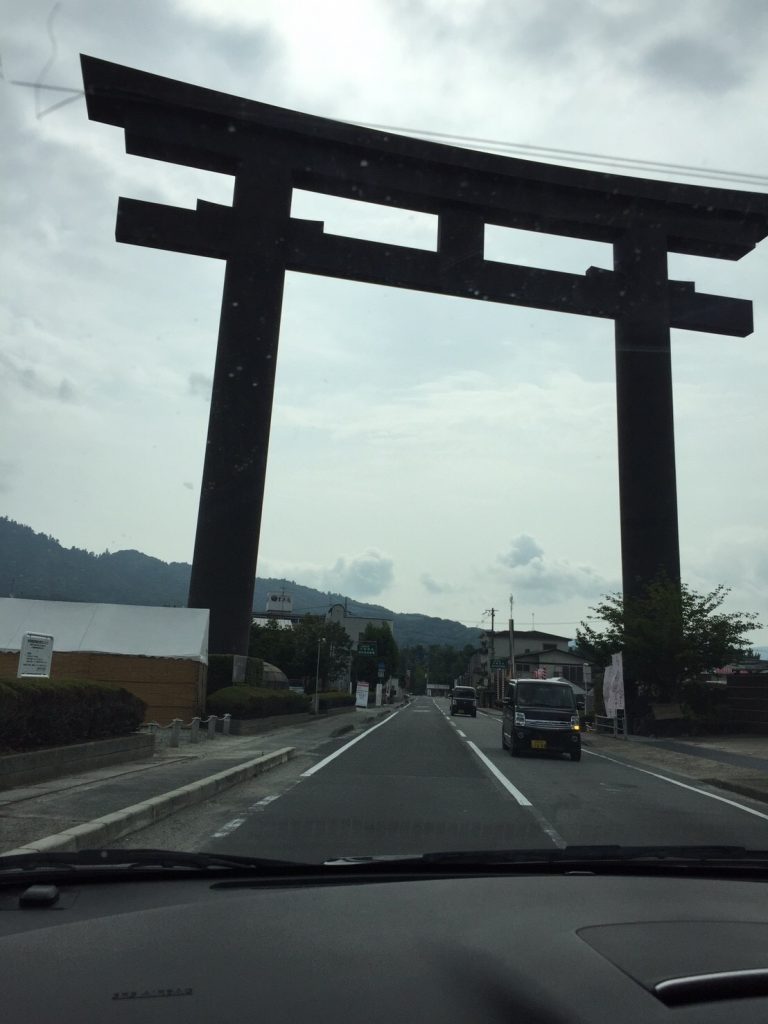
<point>265,620</point>
<point>525,634</point>
<point>128,629</point>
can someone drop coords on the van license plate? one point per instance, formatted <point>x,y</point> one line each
<point>539,744</point>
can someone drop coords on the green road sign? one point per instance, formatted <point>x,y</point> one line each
<point>367,647</point>
<point>499,662</point>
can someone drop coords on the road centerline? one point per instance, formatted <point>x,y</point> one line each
<point>549,830</point>
<point>509,786</point>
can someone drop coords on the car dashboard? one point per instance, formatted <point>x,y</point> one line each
<point>496,947</point>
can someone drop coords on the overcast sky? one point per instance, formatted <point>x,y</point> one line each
<point>428,453</point>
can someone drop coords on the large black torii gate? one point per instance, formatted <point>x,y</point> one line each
<point>270,151</point>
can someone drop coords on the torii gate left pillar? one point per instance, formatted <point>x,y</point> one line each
<point>235,465</point>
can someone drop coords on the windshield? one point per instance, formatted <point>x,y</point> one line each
<point>544,695</point>
<point>356,360</point>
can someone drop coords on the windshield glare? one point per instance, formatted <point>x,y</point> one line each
<point>544,695</point>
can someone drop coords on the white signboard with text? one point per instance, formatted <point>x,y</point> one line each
<point>35,656</point>
<point>361,700</point>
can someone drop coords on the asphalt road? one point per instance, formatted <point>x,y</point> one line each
<point>423,781</point>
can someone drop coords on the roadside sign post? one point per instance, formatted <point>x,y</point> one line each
<point>361,697</point>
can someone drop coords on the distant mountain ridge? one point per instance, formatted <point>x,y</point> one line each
<point>35,565</point>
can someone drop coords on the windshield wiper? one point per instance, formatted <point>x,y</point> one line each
<point>129,859</point>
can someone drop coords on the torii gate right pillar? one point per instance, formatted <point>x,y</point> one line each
<point>646,433</point>
<point>650,545</point>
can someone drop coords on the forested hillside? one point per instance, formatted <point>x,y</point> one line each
<point>35,565</point>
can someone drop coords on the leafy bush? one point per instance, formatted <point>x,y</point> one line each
<point>52,713</point>
<point>254,702</point>
<point>335,699</point>
<point>220,672</point>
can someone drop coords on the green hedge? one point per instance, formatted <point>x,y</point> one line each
<point>255,702</point>
<point>52,713</point>
<point>220,672</point>
<point>335,699</point>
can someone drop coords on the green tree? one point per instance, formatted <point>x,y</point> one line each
<point>321,644</point>
<point>295,651</point>
<point>365,667</point>
<point>670,635</point>
<point>272,643</point>
<point>439,663</point>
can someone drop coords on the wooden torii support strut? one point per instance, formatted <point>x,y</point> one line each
<point>270,151</point>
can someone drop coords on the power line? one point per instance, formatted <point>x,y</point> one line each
<point>574,155</point>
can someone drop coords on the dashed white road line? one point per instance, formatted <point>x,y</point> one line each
<point>263,802</point>
<point>229,827</point>
<point>463,735</point>
<point>682,785</point>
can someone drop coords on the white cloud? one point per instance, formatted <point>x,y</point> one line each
<point>432,586</point>
<point>538,580</point>
<point>362,576</point>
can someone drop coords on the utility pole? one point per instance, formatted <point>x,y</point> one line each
<point>492,613</point>
<point>511,636</point>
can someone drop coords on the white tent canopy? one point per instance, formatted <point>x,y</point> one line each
<point>107,628</point>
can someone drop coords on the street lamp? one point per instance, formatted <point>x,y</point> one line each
<point>317,675</point>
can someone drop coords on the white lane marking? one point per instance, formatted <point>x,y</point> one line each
<point>341,750</point>
<point>463,735</point>
<point>260,805</point>
<point>682,785</point>
<point>522,800</point>
<point>229,827</point>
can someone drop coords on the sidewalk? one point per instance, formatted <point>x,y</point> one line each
<point>738,764</point>
<point>89,809</point>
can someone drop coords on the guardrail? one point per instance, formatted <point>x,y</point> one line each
<point>616,727</point>
<point>177,732</point>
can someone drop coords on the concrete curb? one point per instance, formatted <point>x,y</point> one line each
<point>130,819</point>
